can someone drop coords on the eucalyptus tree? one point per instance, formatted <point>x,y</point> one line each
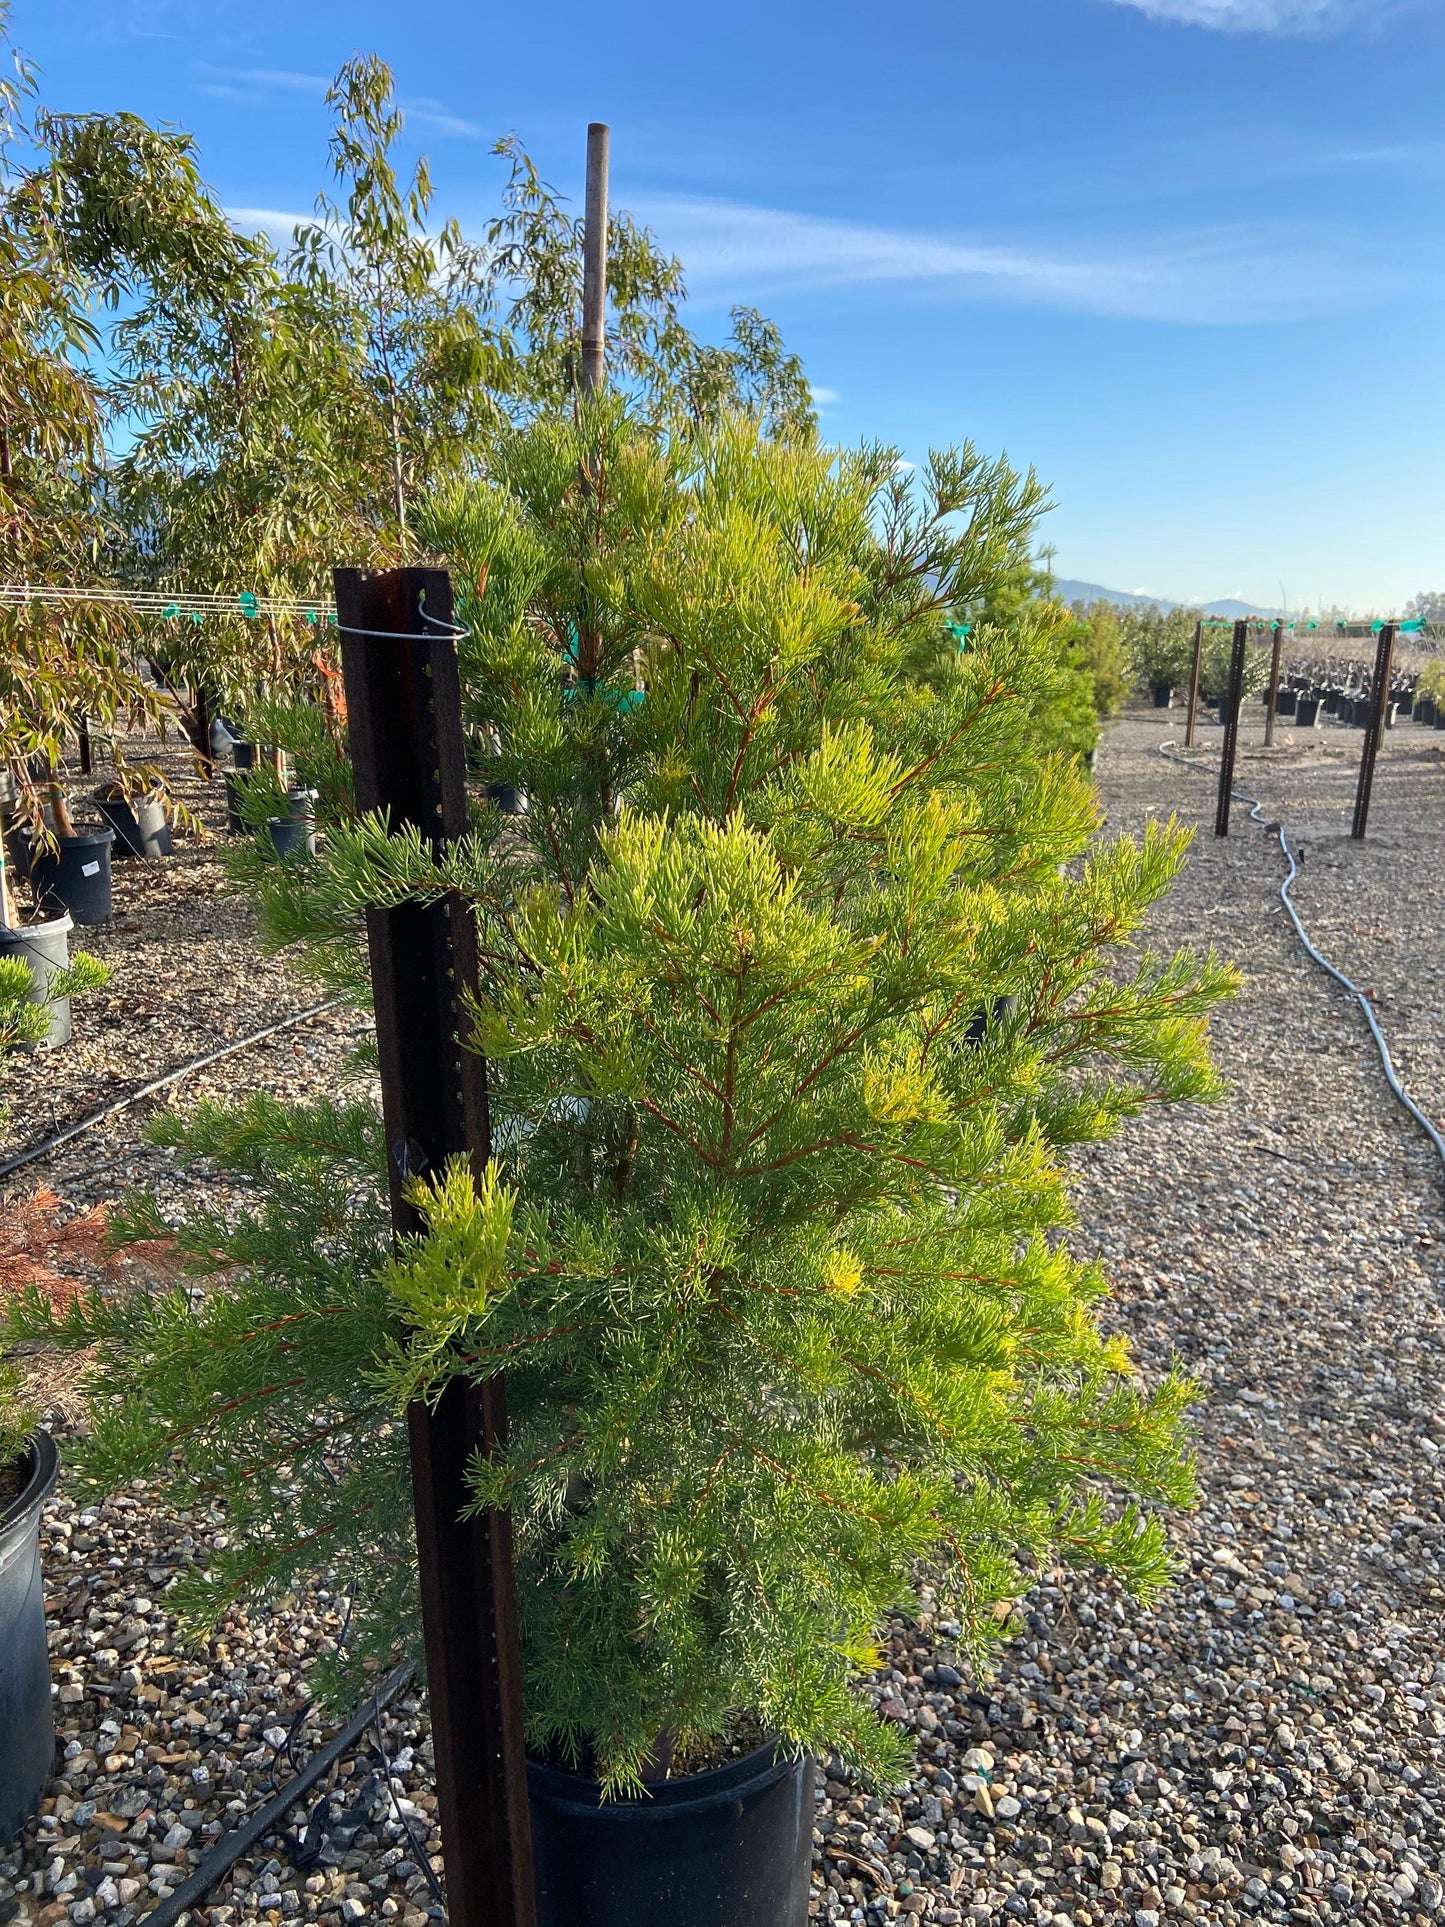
<point>57,529</point>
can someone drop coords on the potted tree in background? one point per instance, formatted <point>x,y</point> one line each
<point>768,1245</point>
<point>59,664</point>
<point>1159,645</point>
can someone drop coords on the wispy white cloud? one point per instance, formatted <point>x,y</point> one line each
<point>823,397</point>
<point>1229,274</point>
<point>275,223</point>
<point>1287,17</point>
<point>236,83</point>
<point>270,79</point>
<point>431,113</point>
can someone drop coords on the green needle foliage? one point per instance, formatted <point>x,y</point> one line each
<point>797,983</point>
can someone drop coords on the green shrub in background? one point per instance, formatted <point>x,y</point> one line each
<point>770,1245</point>
<point>1214,660</point>
<point>1159,646</point>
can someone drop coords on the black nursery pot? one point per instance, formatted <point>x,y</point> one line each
<point>1163,694</point>
<point>1307,712</point>
<point>730,1848</point>
<point>75,877</point>
<point>291,836</point>
<point>27,1724</point>
<point>46,948</point>
<point>235,782</point>
<point>1285,706</point>
<point>140,828</point>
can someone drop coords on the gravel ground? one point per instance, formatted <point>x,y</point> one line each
<point>1262,1744</point>
<point>186,978</point>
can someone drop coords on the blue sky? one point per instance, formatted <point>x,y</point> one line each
<point>1187,257</point>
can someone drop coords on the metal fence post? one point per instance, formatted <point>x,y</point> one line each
<point>404,711</point>
<point>1233,701</point>
<point>1374,729</point>
<point>1273,684</point>
<point>1194,686</point>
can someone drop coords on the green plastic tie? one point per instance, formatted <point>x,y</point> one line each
<point>171,609</point>
<point>250,606</point>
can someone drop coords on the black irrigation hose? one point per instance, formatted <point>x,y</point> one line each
<point>229,1848</point>
<point>159,1084</point>
<point>1361,997</point>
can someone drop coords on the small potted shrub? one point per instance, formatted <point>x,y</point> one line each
<point>1159,647</point>
<point>769,1245</point>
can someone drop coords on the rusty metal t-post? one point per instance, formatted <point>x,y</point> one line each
<point>1194,686</point>
<point>1273,684</point>
<point>1374,729</point>
<point>403,702</point>
<point>1234,701</point>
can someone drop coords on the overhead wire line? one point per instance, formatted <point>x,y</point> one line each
<point>170,603</point>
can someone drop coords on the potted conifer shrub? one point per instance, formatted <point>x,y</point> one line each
<point>769,1242</point>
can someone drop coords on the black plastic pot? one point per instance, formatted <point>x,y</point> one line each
<point>1332,701</point>
<point>1285,706</point>
<point>17,851</point>
<point>75,877</point>
<point>986,1016</point>
<point>27,1724</point>
<point>235,782</point>
<point>140,828</point>
<point>1163,694</point>
<point>291,835</point>
<point>730,1848</point>
<point>46,948</point>
<point>1307,712</point>
<point>1425,712</point>
<point>243,755</point>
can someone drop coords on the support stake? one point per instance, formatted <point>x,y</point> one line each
<point>1233,703</point>
<point>1374,729</point>
<point>1273,684</point>
<point>594,259</point>
<point>404,711</point>
<point>1194,686</point>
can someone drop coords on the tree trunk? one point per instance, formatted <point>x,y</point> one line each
<point>59,804</point>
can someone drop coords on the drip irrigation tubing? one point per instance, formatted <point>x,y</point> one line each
<point>1362,997</point>
<point>159,1084</point>
<point>229,1848</point>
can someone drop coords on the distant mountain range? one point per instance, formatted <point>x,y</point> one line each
<point>1087,592</point>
